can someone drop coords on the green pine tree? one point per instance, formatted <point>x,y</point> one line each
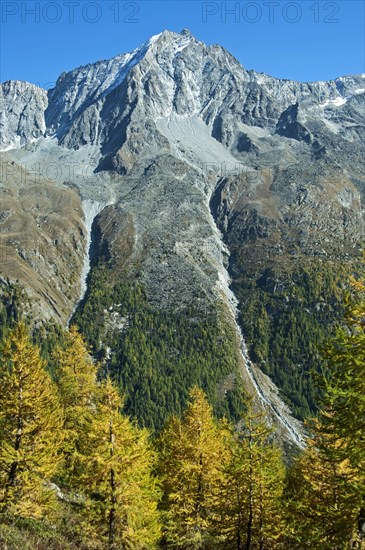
<point>327,485</point>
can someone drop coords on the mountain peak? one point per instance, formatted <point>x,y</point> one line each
<point>186,32</point>
<point>190,147</point>
<point>171,36</point>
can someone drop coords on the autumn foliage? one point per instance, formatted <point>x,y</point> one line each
<point>70,458</point>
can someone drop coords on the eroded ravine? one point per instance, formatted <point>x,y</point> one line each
<point>264,388</point>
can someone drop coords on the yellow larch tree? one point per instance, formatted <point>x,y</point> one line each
<point>30,428</point>
<point>327,485</point>
<point>76,375</point>
<point>193,451</point>
<point>120,491</point>
<point>252,516</point>
<point>321,501</point>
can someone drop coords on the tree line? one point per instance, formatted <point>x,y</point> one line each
<point>157,355</point>
<point>71,459</point>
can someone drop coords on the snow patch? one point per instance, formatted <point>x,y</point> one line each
<point>127,61</point>
<point>337,102</point>
<point>153,39</point>
<point>182,44</point>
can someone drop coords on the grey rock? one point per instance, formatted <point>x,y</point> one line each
<point>189,146</point>
<point>22,107</point>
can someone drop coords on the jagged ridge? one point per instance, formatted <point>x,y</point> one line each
<point>176,125</point>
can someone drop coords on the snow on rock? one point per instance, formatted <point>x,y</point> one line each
<point>154,39</point>
<point>184,107</point>
<point>337,102</point>
<point>22,108</point>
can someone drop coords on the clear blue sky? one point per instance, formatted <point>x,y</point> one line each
<point>301,40</point>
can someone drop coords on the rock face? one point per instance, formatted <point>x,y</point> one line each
<point>22,107</point>
<point>185,146</point>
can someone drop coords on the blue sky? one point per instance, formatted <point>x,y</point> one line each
<point>300,40</point>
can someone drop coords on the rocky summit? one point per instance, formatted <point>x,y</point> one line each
<point>208,184</point>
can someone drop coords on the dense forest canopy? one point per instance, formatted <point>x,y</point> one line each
<point>76,471</point>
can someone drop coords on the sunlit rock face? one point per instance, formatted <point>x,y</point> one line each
<point>163,161</point>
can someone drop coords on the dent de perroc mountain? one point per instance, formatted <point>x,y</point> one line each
<point>175,166</point>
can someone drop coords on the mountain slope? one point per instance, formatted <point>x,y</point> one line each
<point>193,166</point>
